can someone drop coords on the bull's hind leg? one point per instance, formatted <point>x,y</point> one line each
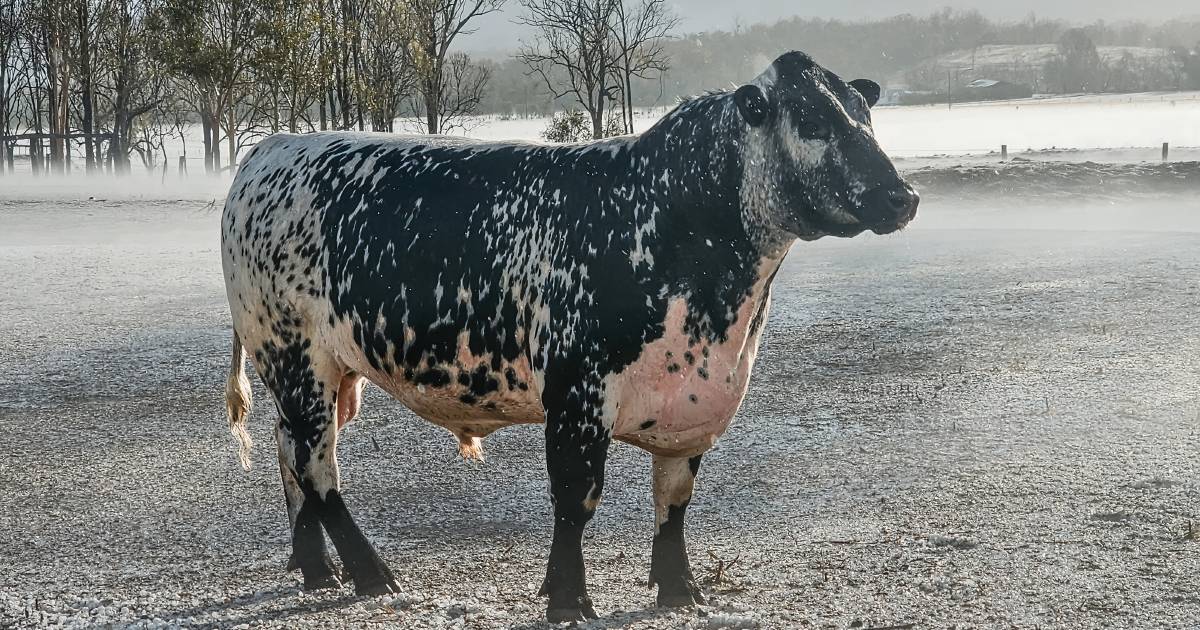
<point>674,478</point>
<point>576,451</point>
<point>309,554</point>
<point>306,384</point>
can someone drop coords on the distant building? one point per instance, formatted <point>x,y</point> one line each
<point>992,90</point>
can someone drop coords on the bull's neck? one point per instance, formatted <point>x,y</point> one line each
<point>693,159</point>
<point>700,241</point>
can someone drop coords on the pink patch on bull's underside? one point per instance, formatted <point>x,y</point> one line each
<point>670,406</point>
<point>441,405</point>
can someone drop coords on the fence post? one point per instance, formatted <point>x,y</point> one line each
<point>1004,153</point>
<point>1166,151</point>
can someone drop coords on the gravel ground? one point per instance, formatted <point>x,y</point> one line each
<point>989,420</point>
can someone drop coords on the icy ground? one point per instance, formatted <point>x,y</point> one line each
<point>988,420</point>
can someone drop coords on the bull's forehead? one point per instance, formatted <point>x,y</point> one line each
<point>796,81</point>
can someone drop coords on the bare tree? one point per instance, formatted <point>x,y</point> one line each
<point>211,45</point>
<point>10,86</point>
<point>463,85</point>
<point>287,64</point>
<point>34,79</point>
<point>640,31</point>
<point>56,20</point>
<point>89,16</point>
<point>133,82</point>
<point>387,77</point>
<point>435,25</point>
<point>574,42</point>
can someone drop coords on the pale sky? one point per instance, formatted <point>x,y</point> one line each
<point>497,34</point>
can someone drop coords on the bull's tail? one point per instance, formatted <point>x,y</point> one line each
<point>238,400</point>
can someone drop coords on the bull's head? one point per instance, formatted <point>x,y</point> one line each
<point>812,166</point>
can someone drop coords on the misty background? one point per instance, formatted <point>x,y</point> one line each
<point>497,32</point>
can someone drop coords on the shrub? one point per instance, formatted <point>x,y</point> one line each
<point>574,125</point>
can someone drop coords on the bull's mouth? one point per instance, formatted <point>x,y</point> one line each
<point>892,226</point>
<point>895,225</point>
<point>849,230</point>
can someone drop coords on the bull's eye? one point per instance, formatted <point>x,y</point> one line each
<point>813,130</point>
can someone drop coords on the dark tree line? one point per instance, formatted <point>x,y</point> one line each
<point>114,79</point>
<point>108,82</point>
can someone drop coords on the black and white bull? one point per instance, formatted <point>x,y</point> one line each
<point>612,290</point>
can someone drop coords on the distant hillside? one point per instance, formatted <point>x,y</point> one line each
<point>1008,55</point>
<point>1123,68</point>
<point>905,50</point>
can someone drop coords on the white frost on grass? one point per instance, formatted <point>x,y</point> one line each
<point>723,620</point>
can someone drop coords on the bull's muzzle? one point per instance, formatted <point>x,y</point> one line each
<point>890,208</point>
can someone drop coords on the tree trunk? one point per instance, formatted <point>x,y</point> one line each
<point>231,132</point>
<point>122,129</point>
<point>35,144</point>
<point>35,155</point>
<point>322,56</point>
<point>433,124</point>
<point>4,150</point>
<point>54,68</point>
<point>628,102</point>
<point>344,66</point>
<point>207,134</point>
<point>85,80</point>
<point>598,119</point>
<point>214,128</point>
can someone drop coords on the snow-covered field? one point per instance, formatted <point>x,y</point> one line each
<point>1078,122</point>
<point>1139,121</point>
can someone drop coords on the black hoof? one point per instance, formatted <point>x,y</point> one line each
<point>679,600</point>
<point>371,589</point>
<point>322,582</point>
<point>565,615</point>
<point>685,597</point>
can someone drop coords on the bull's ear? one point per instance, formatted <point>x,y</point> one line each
<point>752,104</point>
<point>869,89</point>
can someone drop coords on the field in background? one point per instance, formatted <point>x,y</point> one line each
<point>1085,123</point>
<point>1073,122</point>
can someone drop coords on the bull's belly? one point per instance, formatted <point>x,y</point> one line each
<point>445,406</point>
<point>676,399</point>
<point>470,396</point>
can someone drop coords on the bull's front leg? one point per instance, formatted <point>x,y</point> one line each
<point>674,478</point>
<point>576,449</point>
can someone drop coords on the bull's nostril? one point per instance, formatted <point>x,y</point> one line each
<point>902,200</point>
